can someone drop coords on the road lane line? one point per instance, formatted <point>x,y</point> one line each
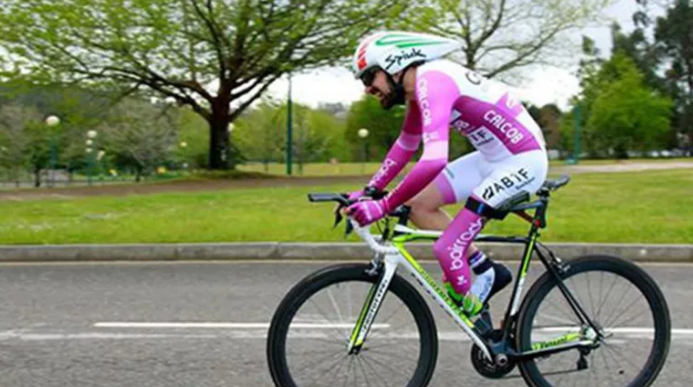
<point>305,325</point>
<point>443,336</point>
<point>223,325</point>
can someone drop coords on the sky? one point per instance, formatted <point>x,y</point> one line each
<point>541,85</point>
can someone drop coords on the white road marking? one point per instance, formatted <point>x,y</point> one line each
<point>223,325</point>
<point>444,336</point>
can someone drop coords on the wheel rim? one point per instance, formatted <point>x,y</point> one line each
<point>627,322</point>
<point>317,340</point>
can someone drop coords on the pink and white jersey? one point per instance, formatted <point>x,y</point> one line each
<point>486,112</point>
<point>449,95</point>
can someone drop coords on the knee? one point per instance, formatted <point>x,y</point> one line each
<point>420,204</point>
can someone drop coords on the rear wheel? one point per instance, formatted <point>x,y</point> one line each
<point>309,334</point>
<point>626,305</point>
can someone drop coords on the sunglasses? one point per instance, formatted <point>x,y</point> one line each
<point>368,76</point>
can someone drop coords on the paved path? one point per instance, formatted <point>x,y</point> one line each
<point>59,324</point>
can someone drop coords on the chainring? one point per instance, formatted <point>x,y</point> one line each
<point>487,368</point>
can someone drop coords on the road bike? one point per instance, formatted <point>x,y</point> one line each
<point>596,320</point>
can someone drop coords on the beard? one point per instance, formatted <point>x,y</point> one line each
<point>395,96</point>
<point>388,101</point>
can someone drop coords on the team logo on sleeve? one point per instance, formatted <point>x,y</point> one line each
<point>422,94</point>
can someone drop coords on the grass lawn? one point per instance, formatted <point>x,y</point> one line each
<point>326,169</point>
<point>647,207</point>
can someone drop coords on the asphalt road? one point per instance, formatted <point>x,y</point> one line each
<point>75,324</point>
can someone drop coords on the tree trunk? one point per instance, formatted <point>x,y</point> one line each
<point>37,177</point>
<point>219,150</point>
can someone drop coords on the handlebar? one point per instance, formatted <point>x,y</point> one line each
<point>402,213</point>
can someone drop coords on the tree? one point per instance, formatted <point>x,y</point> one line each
<point>260,134</point>
<point>217,56</point>
<point>195,138</point>
<point>139,135</point>
<point>78,109</point>
<point>627,115</point>
<point>550,122</point>
<point>16,148</point>
<point>644,54</point>
<point>383,126</point>
<point>674,36</point>
<point>501,35</point>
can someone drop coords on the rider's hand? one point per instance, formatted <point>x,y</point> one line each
<point>353,196</point>
<point>367,211</point>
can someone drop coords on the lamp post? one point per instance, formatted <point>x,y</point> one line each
<point>289,128</point>
<point>183,145</point>
<point>51,122</point>
<point>91,135</point>
<point>363,133</point>
<point>99,156</point>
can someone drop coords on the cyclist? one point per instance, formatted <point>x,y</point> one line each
<point>405,68</point>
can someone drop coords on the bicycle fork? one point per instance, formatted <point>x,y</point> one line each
<point>374,299</point>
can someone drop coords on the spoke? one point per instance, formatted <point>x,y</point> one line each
<point>606,362</point>
<point>390,357</point>
<point>575,293</point>
<point>317,351</point>
<point>607,293</point>
<point>383,365</point>
<point>358,361</point>
<point>589,294</point>
<point>624,321</point>
<point>400,355</point>
<point>375,372</point>
<point>336,308</point>
<point>624,310</point>
<point>620,302</point>
<point>404,344</point>
<point>330,341</point>
<point>618,363</point>
<point>336,372</point>
<point>593,371</point>
<point>330,368</point>
<point>348,372</point>
<point>319,361</point>
<point>351,314</point>
<point>614,351</point>
<point>561,311</point>
<point>557,319</point>
<point>601,281</point>
<point>328,319</point>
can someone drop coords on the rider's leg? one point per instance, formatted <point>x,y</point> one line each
<point>521,173</point>
<point>452,248</point>
<point>427,212</point>
<point>453,185</point>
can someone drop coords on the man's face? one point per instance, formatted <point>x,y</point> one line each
<point>375,82</point>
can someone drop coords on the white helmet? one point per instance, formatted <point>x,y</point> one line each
<point>393,51</point>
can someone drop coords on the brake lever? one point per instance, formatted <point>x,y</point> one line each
<point>338,218</point>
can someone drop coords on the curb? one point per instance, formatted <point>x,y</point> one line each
<point>316,251</point>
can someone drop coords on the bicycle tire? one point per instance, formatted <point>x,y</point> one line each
<point>301,292</point>
<point>598,263</point>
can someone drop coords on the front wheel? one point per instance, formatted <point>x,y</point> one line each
<point>309,335</point>
<point>624,303</point>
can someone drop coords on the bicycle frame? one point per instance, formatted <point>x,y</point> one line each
<point>395,254</point>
